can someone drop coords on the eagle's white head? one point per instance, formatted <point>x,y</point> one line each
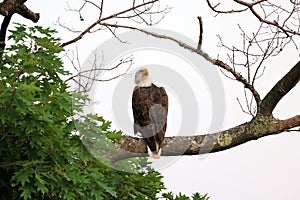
<point>142,78</point>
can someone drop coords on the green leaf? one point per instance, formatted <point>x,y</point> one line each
<point>168,196</point>
<point>197,196</point>
<point>70,127</point>
<point>30,87</point>
<point>108,189</point>
<point>22,176</point>
<point>27,190</point>
<point>19,33</point>
<point>96,195</point>
<point>40,183</point>
<point>181,197</point>
<point>114,136</point>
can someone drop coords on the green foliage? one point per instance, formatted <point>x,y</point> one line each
<point>41,157</point>
<point>196,196</point>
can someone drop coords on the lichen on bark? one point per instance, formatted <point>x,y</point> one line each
<point>260,125</point>
<point>224,139</point>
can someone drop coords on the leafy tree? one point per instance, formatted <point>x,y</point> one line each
<point>41,155</point>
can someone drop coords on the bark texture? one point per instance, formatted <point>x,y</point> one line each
<point>8,8</point>
<point>259,127</point>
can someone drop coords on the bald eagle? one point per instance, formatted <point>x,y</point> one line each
<point>150,110</point>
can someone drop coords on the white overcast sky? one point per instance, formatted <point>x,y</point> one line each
<point>264,169</point>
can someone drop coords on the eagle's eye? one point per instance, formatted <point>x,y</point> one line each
<point>145,72</point>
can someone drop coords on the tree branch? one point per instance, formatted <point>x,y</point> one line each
<point>116,15</point>
<point>27,13</point>
<point>3,31</point>
<point>79,37</point>
<point>200,33</point>
<point>216,62</point>
<point>281,88</point>
<point>10,7</point>
<point>258,127</point>
<point>261,19</point>
<point>214,8</point>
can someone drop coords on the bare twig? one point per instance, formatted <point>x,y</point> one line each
<point>133,13</point>
<point>242,108</point>
<point>86,78</point>
<point>217,62</point>
<point>274,23</point>
<point>214,8</point>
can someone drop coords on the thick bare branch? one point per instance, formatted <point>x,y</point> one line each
<point>281,88</point>
<point>201,144</point>
<point>10,7</point>
<point>27,13</point>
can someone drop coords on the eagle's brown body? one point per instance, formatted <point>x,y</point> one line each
<point>150,109</point>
